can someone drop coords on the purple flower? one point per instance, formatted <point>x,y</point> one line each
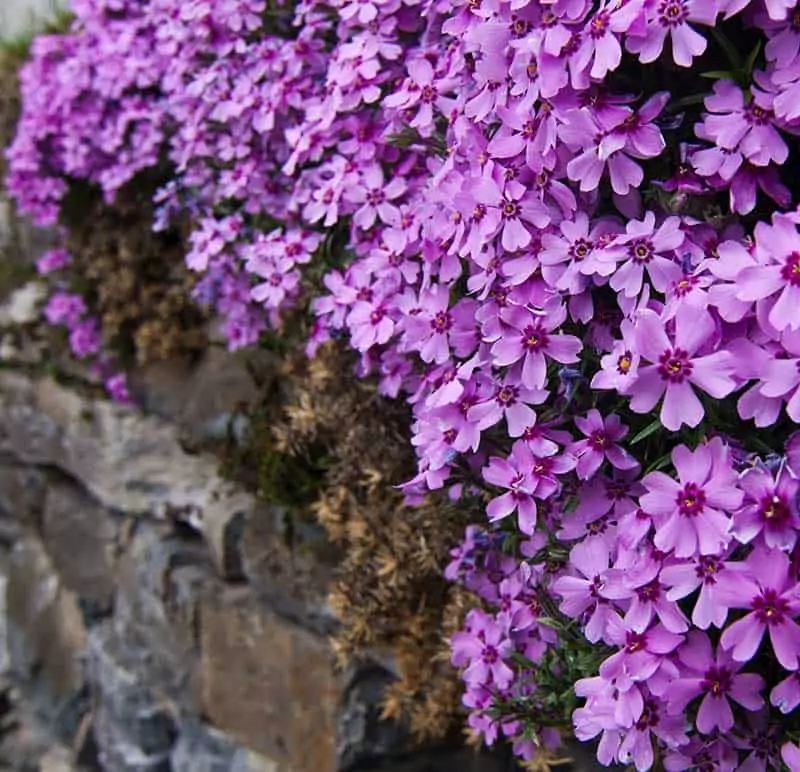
<point>532,340</point>
<point>775,282</point>
<point>52,260</point>
<point>513,473</point>
<point>717,580</point>
<point>482,647</point>
<point>602,436</point>
<point>786,695</point>
<point>117,388</point>
<point>676,367</point>
<point>582,594</point>
<point>84,338</point>
<point>773,598</point>
<point>640,584</point>
<point>690,512</point>
<point>718,679</point>
<point>672,17</point>
<point>647,249</point>
<point>511,401</point>
<point>770,508</point>
<point>376,198</point>
<point>64,308</point>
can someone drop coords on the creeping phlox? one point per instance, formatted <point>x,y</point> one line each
<point>571,244</point>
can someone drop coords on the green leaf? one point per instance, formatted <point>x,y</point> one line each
<point>719,75</point>
<point>550,622</point>
<point>751,59</point>
<point>646,432</point>
<point>659,463</point>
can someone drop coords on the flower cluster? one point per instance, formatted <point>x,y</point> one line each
<point>563,231</point>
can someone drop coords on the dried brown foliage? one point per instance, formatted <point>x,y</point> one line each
<point>134,279</point>
<point>389,592</point>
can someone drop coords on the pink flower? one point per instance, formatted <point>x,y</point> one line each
<point>602,436</point>
<point>718,679</point>
<point>716,578</point>
<point>672,17</point>
<point>676,367</point>
<point>770,509</point>
<point>775,282</point>
<point>513,474</point>
<point>376,197</point>
<point>691,512</point>
<point>582,594</point>
<point>511,401</point>
<point>773,597</point>
<point>647,249</point>
<point>531,341</point>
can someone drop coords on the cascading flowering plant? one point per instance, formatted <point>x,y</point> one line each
<point>566,232</point>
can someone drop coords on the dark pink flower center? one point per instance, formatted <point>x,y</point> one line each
<point>490,655</point>
<point>624,363</point>
<point>770,608</point>
<point>691,500</point>
<point>376,196</point>
<point>519,27</point>
<point>542,467</point>
<point>635,642</point>
<point>598,440</point>
<point>599,25</point>
<point>717,681</point>
<point>428,94</point>
<point>756,115</point>
<point>365,293</point>
<point>580,249</point>
<point>597,526</point>
<point>276,279</point>
<point>442,322</point>
<point>534,338</point>
<point>775,509</point>
<point>649,717</point>
<point>672,13</point>
<point>641,250</point>
<point>708,568</point>
<point>511,209</point>
<point>791,269</point>
<point>674,365</point>
<point>595,587</point>
<point>376,317</point>
<point>650,592</point>
<point>684,286</point>
<point>507,395</point>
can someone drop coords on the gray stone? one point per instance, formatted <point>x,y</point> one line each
<point>22,492</point>
<point>80,537</point>
<point>22,306</point>
<point>46,636</point>
<point>129,462</point>
<point>133,720</point>
<point>204,398</point>
<point>201,748</point>
<point>292,578</point>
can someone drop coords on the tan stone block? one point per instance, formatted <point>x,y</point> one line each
<point>45,625</point>
<point>269,683</point>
